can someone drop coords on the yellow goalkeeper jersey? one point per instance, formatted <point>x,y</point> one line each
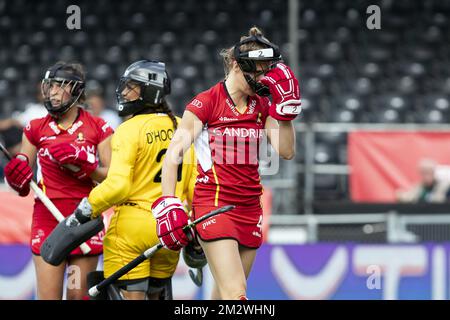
<point>134,176</point>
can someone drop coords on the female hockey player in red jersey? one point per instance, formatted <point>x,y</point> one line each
<point>65,144</point>
<point>227,123</point>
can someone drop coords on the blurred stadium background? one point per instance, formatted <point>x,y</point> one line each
<point>375,102</point>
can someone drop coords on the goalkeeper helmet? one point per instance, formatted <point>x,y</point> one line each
<point>143,85</point>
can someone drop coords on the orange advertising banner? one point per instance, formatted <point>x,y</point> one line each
<point>15,218</point>
<point>383,162</point>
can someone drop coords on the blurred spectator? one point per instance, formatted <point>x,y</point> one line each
<point>11,128</point>
<point>11,135</point>
<point>32,110</point>
<point>97,106</point>
<point>430,189</point>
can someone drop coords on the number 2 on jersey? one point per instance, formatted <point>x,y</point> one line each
<point>157,178</point>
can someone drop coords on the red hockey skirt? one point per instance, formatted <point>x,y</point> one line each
<point>44,222</point>
<point>243,224</point>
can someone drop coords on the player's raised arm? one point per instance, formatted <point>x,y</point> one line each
<point>285,107</point>
<point>281,136</point>
<point>188,130</point>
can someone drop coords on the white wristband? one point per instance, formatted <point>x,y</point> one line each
<point>165,206</point>
<point>290,107</point>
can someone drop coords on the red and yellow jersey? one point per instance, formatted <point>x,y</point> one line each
<point>227,148</point>
<point>86,131</point>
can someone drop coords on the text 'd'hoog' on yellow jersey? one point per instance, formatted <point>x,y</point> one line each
<point>139,146</point>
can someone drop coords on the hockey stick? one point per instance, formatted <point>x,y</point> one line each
<point>95,290</point>
<point>45,200</point>
<point>197,277</point>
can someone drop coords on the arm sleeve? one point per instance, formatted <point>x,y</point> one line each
<point>104,130</point>
<point>200,106</point>
<point>30,133</point>
<point>117,185</point>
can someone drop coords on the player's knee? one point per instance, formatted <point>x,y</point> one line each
<point>134,295</point>
<point>49,292</point>
<point>75,295</point>
<point>48,295</point>
<point>234,295</point>
<point>215,295</point>
<point>233,291</point>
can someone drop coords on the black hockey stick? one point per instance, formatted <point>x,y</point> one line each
<point>5,152</point>
<point>197,277</point>
<point>95,290</point>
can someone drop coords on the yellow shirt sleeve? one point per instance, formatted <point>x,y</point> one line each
<point>117,185</point>
<point>192,180</point>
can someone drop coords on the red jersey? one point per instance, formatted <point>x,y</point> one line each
<point>227,148</point>
<point>87,132</point>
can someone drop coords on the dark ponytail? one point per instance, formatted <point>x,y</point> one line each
<point>165,108</point>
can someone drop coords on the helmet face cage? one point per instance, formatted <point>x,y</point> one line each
<point>154,83</point>
<point>259,88</point>
<point>249,65</point>
<point>64,80</point>
<point>247,62</point>
<point>47,84</point>
<point>130,85</point>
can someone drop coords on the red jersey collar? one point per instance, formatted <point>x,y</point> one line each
<point>229,101</point>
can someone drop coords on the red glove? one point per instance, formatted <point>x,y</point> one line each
<point>170,219</point>
<point>285,92</point>
<point>18,174</point>
<point>77,160</point>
